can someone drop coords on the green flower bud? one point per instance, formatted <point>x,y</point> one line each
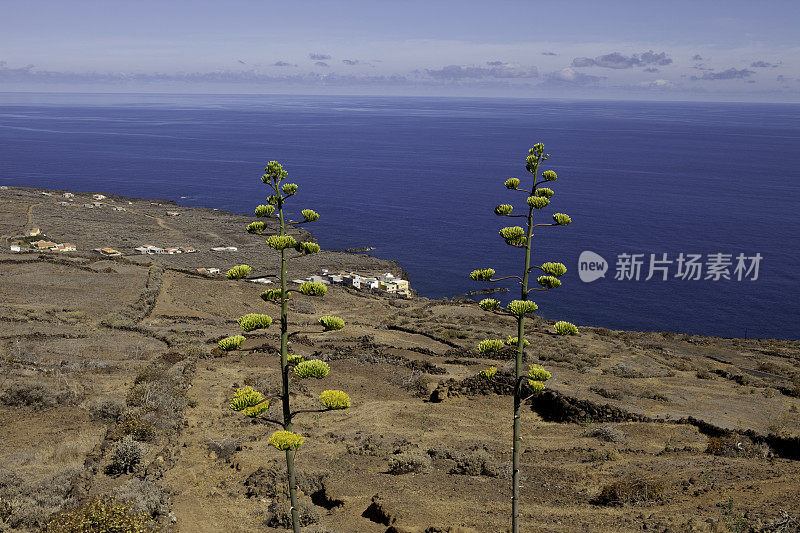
<point>512,341</point>
<point>522,307</point>
<point>272,295</point>
<point>273,199</point>
<point>313,288</point>
<point>554,269</point>
<point>312,369</point>
<point>289,188</point>
<point>249,401</point>
<point>512,183</point>
<point>538,148</point>
<point>549,282</point>
<point>307,247</point>
<point>253,321</point>
<point>255,227</point>
<point>514,236</point>
<point>538,373</point>
<point>279,242</point>
<point>334,399</point>
<point>331,323</point>
<point>488,373</point>
<point>482,274</point>
<point>549,175</point>
<point>265,210</point>
<point>561,219</point>
<point>310,215</point>
<point>294,359</point>
<point>231,343</point>
<point>538,202</point>
<point>490,345</point>
<point>286,440</point>
<point>238,272</point>
<point>565,328</point>
<point>489,304</point>
<point>544,192</point>
<point>503,210</point>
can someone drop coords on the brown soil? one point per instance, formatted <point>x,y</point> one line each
<point>655,431</point>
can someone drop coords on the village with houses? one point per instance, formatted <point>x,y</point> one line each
<point>35,239</point>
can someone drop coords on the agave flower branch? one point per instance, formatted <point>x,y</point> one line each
<point>254,403</point>
<point>524,386</point>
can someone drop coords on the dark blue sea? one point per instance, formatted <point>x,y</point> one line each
<point>418,178</point>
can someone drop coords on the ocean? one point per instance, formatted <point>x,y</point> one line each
<point>418,178</point>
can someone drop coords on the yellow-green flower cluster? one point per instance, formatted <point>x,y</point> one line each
<point>310,215</point>
<point>537,375</point>
<point>489,304</point>
<point>488,373</point>
<point>274,171</point>
<point>554,269</point>
<point>273,199</point>
<point>512,183</point>
<point>482,274</point>
<point>335,399</point>
<point>514,235</point>
<point>253,321</point>
<point>289,188</point>
<point>549,175</point>
<point>294,359</point>
<point>331,323</point>
<point>513,341</point>
<point>255,227</point>
<point>538,202</point>
<point>561,219</point>
<point>312,369</point>
<point>231,343</point>
<point>549,282</point>
<point>522,307</point>
<point>286,440</point>
<point>272,295</point>
<point>238,272</point>
<point>307,247</point>
<point>249,401</point>
<point>503,210</point>
<point>281,242</point>
<point>565,328</point>
<point>313,288</point>
<point>544,192</point>
<point>490,345</point>
<point>264,210</point>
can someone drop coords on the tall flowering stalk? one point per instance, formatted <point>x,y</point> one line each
<point>254,403</point>
<point>526,385</point>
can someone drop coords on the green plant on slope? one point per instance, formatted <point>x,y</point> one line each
<point>524,385</point>
<point>251,402</point>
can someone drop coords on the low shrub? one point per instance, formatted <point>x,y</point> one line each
<point>411,461</point>
<point>143,497</point>
<point>36,396</point>
<point>128,454</point>
<point>631,491</point>
<point>139,429</point>
<point>100,515</point>
<point>279,515</point>
<point>605,433</point>
<point>224,449</point>
<point>108,410</point>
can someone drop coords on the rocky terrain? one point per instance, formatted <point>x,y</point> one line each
<point>111,384</point>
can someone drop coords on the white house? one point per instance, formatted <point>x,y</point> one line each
<point>334,278</point>
<point>369,283</point>
<point>99,196</point>
<point>149,249</point>
<point>16,248</point>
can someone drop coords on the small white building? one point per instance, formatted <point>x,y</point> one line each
<point>16,248</point>
<point>333,278</point>
<point>149,249</point>
<point>117,208</point>
<point>68,195</point>
<point>99,196</point>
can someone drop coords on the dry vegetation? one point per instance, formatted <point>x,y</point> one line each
<point>111,391</point>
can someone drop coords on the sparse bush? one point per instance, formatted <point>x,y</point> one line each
<point>735,445</point>
<point>36,396</point>
<point>411,461</point>
<point>605,433</point>
<point>143,497</point>
<point>631,491</point>
<point>303,307</point>
<point>279,515</point>
<point>138,429</point>
<point>224,449</point>
<point>474,463</point>
<point>194,350</point>
<point>128,454</point>
<point>100,515</point>
<point>108,410</point>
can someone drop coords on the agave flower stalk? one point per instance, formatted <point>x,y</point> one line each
<point>253,403</point>
<point>524,385</point>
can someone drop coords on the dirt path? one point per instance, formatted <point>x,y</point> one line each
<point>29,222</point>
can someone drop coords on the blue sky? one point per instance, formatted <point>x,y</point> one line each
<point>700,50</point>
